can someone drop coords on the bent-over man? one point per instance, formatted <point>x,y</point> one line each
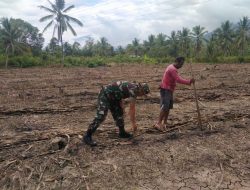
<point>111,97</point>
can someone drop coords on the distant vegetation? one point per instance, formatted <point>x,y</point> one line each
<point>22,45</point>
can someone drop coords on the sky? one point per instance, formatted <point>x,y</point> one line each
<point>122,21</point>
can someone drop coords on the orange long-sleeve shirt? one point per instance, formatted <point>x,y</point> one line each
<point>171,77</point>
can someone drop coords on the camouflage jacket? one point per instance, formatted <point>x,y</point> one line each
<point>121,90</point>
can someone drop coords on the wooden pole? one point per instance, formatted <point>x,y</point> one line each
<point>196,98</point>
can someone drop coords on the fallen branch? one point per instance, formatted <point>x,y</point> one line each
<point>211,126</point>
<point>67,146</point>
<point>40,178</point>
<point>221,179</point>
<point>166,131</point>
<point>27,141</point>
<point>8,164</point>
<point>21,142</point>
<point>85,181</point>
<point>202,104</point>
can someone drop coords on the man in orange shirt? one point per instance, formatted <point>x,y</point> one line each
<point>167,87</point>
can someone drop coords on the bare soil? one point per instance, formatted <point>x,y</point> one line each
<point>45,111</point>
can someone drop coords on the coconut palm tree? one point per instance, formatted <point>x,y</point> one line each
<point>173,44</point>
<point>10,36</point>
<point>225,35</point>
<point>147,45</point>
<point>136,46</point>
<point>58,17</point>
<point>103,48</point>
<point>242,38</point>
<point>120,50</point>
<point>161,39</point>
<point>76,47</point>
<point>212,48</point>
<point>184,41</point>
<point>197,34</point>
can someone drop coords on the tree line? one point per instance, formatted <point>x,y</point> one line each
<point>20,40</point>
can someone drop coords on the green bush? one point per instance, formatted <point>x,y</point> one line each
<point>24,61</point>
<point>149,60</point>
<point>228,59</point>
<point>244,59</point>
<point>84,61</point>
<point>95,62</point>
<point>125,59</point>
<point>165,60</point>
<point>2,60</point>
<point>47,59</point>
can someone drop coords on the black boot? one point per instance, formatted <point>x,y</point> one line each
<point>123,133</point>
<point>88,139</point>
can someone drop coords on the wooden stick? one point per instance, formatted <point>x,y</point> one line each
<point>196,98</point>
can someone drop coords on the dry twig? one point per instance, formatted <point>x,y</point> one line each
<point>40,178</point>
<point>222,176</point>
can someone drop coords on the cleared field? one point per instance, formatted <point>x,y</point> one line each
<point>42,106</point>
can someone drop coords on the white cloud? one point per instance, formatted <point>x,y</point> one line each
<point>121,21</point>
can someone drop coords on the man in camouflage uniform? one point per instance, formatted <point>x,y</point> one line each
<point>111,98</point>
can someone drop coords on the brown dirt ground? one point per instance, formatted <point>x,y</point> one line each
<point>40,107</point>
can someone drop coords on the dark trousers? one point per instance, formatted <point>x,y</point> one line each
<point>105,104</point>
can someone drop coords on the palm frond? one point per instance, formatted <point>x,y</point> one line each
<point>72,19</point>
<point>22,47</point>
<point>50,2</point>
<point>45,18</point>
<point>5,33</point>
<point>71,29</point>
<point>47,9</point>
<point>48,25</point>
<point>69,8</point>
<point>53,6</point>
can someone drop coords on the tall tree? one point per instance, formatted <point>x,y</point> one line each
<point>184,41</point>
<point>68,50</point>
<point>198,33</point>
<point>212,49</point>
<point>173,44</point>
<point>136,46</point>
<point>103,48</point>
<point>76,47</point>
<point>88,48</point>
<point>160,49</point>
<point>57,15</point>
<point>243,34</point>
<point>161,39</point>
<point>120,50</point>
<point>149,44</point>
<point>225,35</point>
<point>30,35</point>
<point>53,45</point>
<point>10,36</point>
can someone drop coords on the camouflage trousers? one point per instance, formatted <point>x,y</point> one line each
<point>105,104</point>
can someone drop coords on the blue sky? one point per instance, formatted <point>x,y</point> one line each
<point>121,21</point>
